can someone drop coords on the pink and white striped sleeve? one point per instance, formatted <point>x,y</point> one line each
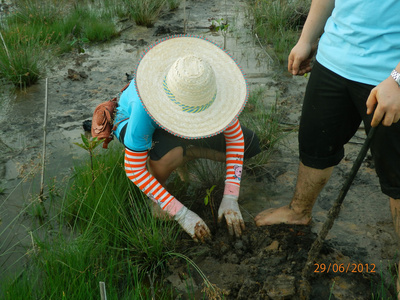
<point>234,158</point>
<point>135,168</point>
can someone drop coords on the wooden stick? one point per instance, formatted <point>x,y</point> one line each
<point>305,288</point>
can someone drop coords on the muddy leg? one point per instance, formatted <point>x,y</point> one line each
<point>395,209</point>
<point>309,184</point>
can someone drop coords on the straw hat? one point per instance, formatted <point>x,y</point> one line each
<point>190,86</point>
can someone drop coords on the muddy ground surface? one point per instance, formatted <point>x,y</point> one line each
<point>266,262</point>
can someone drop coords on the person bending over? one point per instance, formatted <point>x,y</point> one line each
<point>183,103</point>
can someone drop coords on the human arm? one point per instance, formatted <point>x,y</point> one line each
<point>135,168</point>
<point>229,207</point>
<point>299,61</point>
<point>385,99</point>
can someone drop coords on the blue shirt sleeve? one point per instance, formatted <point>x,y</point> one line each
<point>140,128</point>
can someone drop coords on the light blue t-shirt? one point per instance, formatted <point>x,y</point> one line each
<point>361,41</point>
<point>140,129</point>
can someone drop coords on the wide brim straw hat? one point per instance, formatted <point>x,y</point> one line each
<point>190,86</point>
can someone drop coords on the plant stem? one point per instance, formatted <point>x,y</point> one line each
<point>5,46</point>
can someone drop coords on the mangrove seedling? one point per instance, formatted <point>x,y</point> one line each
<point>89,145</point>
<point>209,199</point>
<point>220,25</point>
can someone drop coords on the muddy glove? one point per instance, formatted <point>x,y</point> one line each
<point>230,209</point>
<point>192,224</point>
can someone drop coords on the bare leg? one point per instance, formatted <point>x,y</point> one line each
<point>309,184</point>
<point>162,169</point>
<point>395,209</point>
<point>197,152</point>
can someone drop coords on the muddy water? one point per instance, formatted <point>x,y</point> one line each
<point>363,231</point>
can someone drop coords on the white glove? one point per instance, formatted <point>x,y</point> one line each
<point>192,224</point>
<point>230,209</point>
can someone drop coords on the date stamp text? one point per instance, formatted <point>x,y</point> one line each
<point>344,268</point>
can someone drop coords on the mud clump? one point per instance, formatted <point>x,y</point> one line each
<point>265,263</point>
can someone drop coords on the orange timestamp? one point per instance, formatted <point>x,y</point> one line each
<point>344,268</point>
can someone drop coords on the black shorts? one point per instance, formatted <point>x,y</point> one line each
<point>163,142</point>
<point>332,112</point>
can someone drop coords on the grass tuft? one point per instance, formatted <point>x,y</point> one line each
<point>145,12</point>
<point>278,23</point>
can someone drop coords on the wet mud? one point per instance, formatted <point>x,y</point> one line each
<point>265,263</point>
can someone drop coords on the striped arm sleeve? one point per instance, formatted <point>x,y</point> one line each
<point>234,158</point>
<point>135,168</point>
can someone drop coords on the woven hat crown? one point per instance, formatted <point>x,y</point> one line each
<point>191,82</point>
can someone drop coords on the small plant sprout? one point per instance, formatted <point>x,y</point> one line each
<point>209,199</point>
<point>220,25</point>
<point>78,43</point>
<point>89,145</point>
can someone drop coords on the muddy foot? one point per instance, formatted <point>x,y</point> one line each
<point>281,215</point>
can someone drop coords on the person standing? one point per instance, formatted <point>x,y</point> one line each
<point>355,77</point>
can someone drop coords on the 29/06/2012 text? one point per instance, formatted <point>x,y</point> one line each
<point>344,268</point>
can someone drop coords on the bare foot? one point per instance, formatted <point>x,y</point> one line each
<point>281,215</point>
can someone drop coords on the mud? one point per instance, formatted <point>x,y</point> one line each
<point>266,262</point>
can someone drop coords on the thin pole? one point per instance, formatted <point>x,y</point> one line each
<point>184,17</point>
<point>44,145</point>
<point>103,293</point>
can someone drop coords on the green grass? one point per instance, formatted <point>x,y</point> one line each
<point>145,12</point>
<point>385,287</point>
<point>38,31</point>
<point>278,23</point>
<point>103,231</point>
<point>264,119</point>
<point>21,60</point>
<point>173,4</point>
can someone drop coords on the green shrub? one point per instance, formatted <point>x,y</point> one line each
<point>264,119</point>
<point>279,22</point>
<point>38,30</point>
<point>145,12</point>
<point>112,237</point>
<point>23,55</point>
<point>174,4</point>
